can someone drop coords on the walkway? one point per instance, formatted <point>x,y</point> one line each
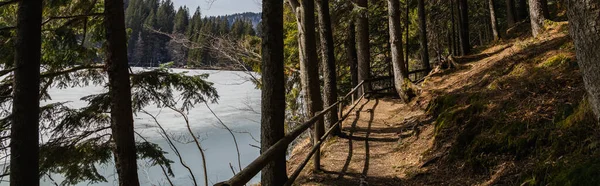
<point>383,142</point>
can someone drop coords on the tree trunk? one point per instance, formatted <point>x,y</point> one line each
<point>423,37</point>
<point>536,15</point>
<point>273,91</point>
<point>351,52</point>
<point>522,9</point>
<point>400,71</point>
<point>545,10</point>
<point>584,18</point>
<point>120,93</point>
<point>407,25</point>
<point>24,151</point>
<point>493,20</point>
<point>511,19</point>
<point>464,27</point>
<point>362,40</point>
<point>328,64</point>
<point>309,68</point>
<point>453,23</point>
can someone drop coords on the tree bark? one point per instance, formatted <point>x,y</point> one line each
<point>423,37</point>
<point>362,40</point>
<point>351,53</point>
<point>464,27</point>
<point>309,67</point>
<point>399,68</point>
<point>511,19</point>
<point>273,91</point>
<point>584,18</point>
<point>536,16</point>
<point>120,93</point>
<point>453,23</point>
<point>328,64</point>
<point>407,25</point>
<point>24,151</point>
<point>522,9</point>
<point>493,20</point>
<point>545,10</point>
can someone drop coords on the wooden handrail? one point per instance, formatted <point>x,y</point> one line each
<point>313,150</point>
<point>263,159</point>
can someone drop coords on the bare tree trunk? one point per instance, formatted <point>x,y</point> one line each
<point>328,64</point>
<point>120,93</point>
<point>24,151</point>
<point>362,40</point>
<point>453,23</point>
<point>407,25</point>
<point>309,68</point>
<point>423,35</point>
<point>536,15</point>
<point>493,20</point>
<point>584,18</point>
<point>273,91</point>
<point>511,19</point>
<point>400,71</point>
<point>464,27</point>
<point>522,9</point>
<point>351,53</point>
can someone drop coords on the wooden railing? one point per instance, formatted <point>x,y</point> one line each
<point>259,163</point>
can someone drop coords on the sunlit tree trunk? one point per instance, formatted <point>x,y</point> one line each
<point>399,69</point>
<point>309,67</point>
<point>273,90</point>
<point>584,18</point>
<point>24,156</point>
<point>120,94</point>
<point>362,40</point>
<point>328,64</point>
<point>536,15</point>
<point>493,20</point>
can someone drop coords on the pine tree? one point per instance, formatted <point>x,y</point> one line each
<point>24,130</point>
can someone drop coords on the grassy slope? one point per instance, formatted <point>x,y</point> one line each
<point>514,114</point>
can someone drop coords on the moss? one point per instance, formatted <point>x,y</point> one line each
<point>520,70</point>
<point>556,60</point>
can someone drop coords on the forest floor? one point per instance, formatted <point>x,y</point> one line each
<point>512,114</point>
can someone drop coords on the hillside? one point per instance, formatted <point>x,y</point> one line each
<point>512,114</point>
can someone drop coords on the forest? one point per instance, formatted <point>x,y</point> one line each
<point>380,92</point>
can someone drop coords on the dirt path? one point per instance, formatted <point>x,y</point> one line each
<point>383,142</point>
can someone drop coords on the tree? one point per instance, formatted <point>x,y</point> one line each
<point>273,90</point>
<point>309,67</point>
<point>584,16</point>
<point>181,20</point>
<point>423,35</point>
<point>24,151</point>
<point>328,64</point>
<point>351,53</point>
<point>494,21</point>
<point>511,19</point>
<point>120,94</point>
<point>536,15</point>
<point>453,23</point>
<point>398,64</point>
<point>464,27</point>
<point>362,40</point>
<point>522,9</point>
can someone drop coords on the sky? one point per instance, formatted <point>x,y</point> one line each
<point>220,7</point>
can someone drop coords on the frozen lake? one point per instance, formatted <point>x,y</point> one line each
<point>238,107</point>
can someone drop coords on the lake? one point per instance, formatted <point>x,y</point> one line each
<point>238,107</point>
